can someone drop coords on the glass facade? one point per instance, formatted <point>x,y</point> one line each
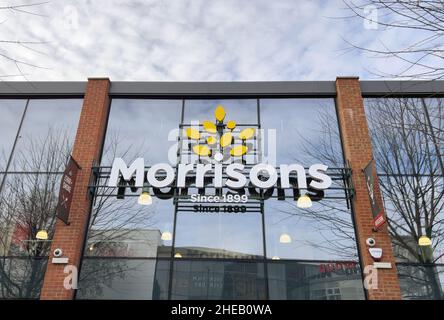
<point>263,249</point>
<point>408,143</point>
<point>148,243</point>
<point>36,137</point>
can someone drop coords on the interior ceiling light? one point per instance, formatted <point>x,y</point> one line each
<point>424,241</point>
<point>145,198</point>
<point>166,236</point>
<point>304,202</point>
<point>285,238</point>
<point>42,235</point>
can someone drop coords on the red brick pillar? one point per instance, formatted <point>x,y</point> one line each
<point>86,150</point>
<point>358,151</point>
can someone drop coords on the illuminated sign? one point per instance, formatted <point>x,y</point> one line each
<point>261,175</point>
<point>218,154</point>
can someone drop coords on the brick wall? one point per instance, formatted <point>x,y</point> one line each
<point>358,151</point>
<point>87,146</point>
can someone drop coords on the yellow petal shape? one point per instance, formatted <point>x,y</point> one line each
<point>226,139</point>
<point>209,126</point>
<point>211,140</point>
<point>193,134</point>
<point>246,134</point>
<point>239,150</point>
<point>201,150</point>
<point>231,125</point>
<point>219,113</point>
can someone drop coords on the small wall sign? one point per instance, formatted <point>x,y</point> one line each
<point>378,213</point>
<point>67,189</point>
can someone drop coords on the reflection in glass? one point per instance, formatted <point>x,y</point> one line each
<point>407,136</point>
<point>142,128</point>
<point>24,277</point>
<point>124,228</point>
<point>236,234</point>
<point>230,137</point>
<point>307,133</point>
<point>120,226</point>
<point>226,248</point>
<point>214,280</point>
<point>28,201</point>
<point>50,125</point>
<point>307,130</point>
<point>324,231</point>
<point>11,113</point>
<point>27,205</point>
<point>141,279</point>
<point>241,111</point>
<point>421,282</point>
<point>293,280</point>
<point>219,235</point>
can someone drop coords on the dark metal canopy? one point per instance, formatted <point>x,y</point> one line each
<point>58,89</point>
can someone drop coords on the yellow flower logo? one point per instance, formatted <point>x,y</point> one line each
<point>218,136</point>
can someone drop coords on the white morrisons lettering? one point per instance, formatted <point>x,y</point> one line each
<point>261,175</point>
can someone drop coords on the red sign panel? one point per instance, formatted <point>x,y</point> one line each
<point>66,190</point>
<point>378,213</point>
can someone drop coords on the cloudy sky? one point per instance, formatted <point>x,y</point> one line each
<point>189,40</point>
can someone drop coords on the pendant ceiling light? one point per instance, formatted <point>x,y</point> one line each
<point>145,198</point>
<point>285,238</point>
<point>42,235</point>
<point>424,241</point>
<point>304,202</point>
<point>166,236</point>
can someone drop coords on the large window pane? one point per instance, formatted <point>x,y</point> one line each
<point>141,128</point>
<point>124,228</point>
<point>28,201</point>
<point>11,114</point>
<point>24,277</point>
<point>47,135</point>
<point>336,280</point>
<point>421,282</point>
<point>408,145</point>
<point>119,225</point>
<point>222,234</point>
<point>307,133</point>
<point>324,231</point>
<point>306,130</point>
<point>218,280</point>
<point>141,279</point>
<point>241,111</point>
<point>27,205</point>
<point>219,235</point>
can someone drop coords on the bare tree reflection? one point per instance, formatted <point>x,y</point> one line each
<point>28,204</point>
<point>407,135</point>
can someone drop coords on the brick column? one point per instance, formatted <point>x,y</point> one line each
<point>86,150</point>
<point>358,151</point>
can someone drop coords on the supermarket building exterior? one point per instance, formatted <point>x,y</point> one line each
<point>100,229</point>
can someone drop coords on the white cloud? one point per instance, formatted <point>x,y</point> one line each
<point>188,40</point>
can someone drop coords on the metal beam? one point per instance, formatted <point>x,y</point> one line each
<point>39,89</point>
<point>222,89</point>
<point>29,89</point>
<point>402,88</point>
